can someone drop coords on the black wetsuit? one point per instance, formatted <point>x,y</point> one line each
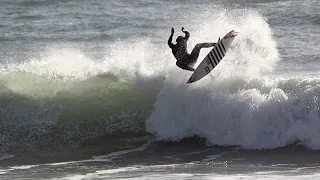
<point>184,59</point>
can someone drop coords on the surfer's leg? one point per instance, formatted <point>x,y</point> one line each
<point>184,66</point>
<point>205,45</point>
<point>196,51</point>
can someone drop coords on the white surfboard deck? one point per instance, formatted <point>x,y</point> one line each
<point>213,57</point>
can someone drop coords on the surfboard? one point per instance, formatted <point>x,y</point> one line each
<point>213,57</point>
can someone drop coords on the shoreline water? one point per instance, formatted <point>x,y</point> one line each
<point>177,158</point>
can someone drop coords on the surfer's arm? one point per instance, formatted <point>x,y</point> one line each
<point>187,34</point>
<point>170,41</point>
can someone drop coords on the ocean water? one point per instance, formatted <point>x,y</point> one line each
<point>90,90</point>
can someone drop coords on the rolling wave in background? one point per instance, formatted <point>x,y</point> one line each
<point>62,97</point>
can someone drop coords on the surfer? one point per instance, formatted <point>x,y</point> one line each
<point>179,50</point>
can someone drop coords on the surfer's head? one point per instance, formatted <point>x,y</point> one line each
<point>179,39</point>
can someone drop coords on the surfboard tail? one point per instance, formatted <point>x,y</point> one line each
<point>192,78</point>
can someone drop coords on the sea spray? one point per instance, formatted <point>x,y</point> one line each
<point>237,104</point>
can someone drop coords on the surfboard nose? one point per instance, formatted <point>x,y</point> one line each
<point>234,33</point>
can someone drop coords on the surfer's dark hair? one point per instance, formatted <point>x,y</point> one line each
<point>179,38</point>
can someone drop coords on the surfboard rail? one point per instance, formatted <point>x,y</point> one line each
<point>213,58</point>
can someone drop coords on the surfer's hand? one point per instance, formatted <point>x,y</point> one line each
<point>172,30</point>
<point>182,29</point>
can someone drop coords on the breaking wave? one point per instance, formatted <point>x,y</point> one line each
<point>241,103</point>
<point>63,97</point>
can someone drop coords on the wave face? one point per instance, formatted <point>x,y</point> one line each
<point>64,98</point>
<point>240,103</point>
